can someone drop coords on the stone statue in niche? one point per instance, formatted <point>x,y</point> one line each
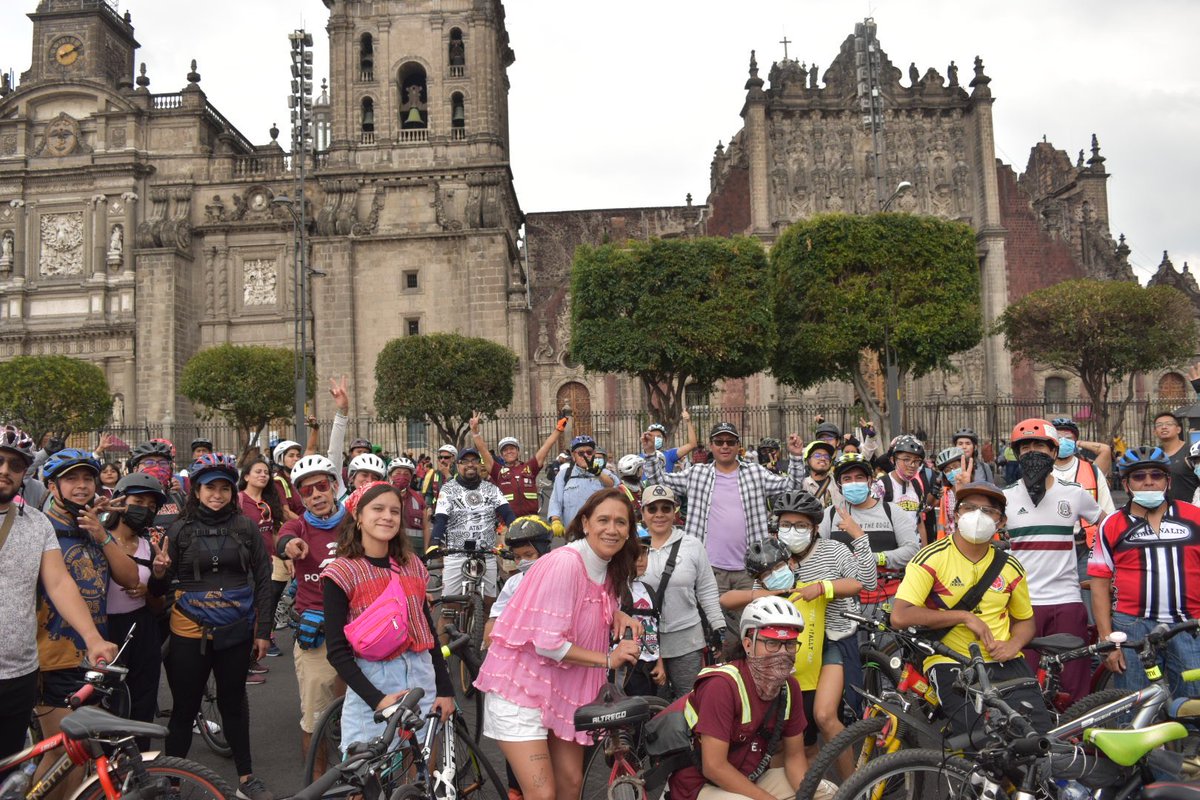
<point>116,245</point>
<point>6,248</point>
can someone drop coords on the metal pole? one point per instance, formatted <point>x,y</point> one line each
<point>300,102</point>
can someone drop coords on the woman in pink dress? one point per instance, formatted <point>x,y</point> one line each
<point>550,647</point>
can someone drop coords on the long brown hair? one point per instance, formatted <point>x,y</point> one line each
<point>623,566</point>
<point>349,542</point>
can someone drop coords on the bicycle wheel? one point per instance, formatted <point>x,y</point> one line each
<point>327,733</point>
<point>472,623</point>
<point>208,722</point>
<point>1094,701</point>
<point>187,781</point>
<point>918,774</point>
<point>866,740</point>
<point>878,674</point>
<point>474,776</point>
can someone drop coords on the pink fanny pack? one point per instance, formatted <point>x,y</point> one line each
<point>381,630</point>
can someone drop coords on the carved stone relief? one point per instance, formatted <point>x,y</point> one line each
<point>260,278</point>
<point>62,244</point>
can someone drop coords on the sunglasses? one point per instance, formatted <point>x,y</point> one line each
<point>308,489</point>
<point>443,458</point>
<point>585,453</point>
<point>1142,475</point>
<point>725,442</point>
<point>660,508</point>
<point>14,463</point>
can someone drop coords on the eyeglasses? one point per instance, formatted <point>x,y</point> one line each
<point>155,462</point>
<point>1144,475</point>
<point>308,489</point>
<point>466,462</point>
<point>14,463</point>
<point>1166,423</point>
<point>908,461</point>
<point>822,456</point>
<point>585,453</point>
<point>798,529</point>
<point>988,511</point>
<point>725,442</point>
<point>660,508</point>
<point>775,645</point>
<point>443,458</point>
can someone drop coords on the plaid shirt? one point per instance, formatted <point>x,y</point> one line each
<point>756,484</point>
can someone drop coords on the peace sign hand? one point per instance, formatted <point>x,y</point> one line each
<point>162,561</point>
<point>341,398</point>
<point>965,475</point>
<point>847,523</point>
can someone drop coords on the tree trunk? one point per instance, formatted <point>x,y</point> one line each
<point>666,399</point>
<point>874,411</point>
<point>1120,420</point>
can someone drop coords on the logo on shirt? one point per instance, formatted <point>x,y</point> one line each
<point>1064,509</point>
<point>1167,532</point>
<point>1022,511</point>
<point>956,582</point>
<point>998,585</point>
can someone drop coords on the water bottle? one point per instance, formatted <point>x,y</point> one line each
<point>18,781</point>
<point>1072,790</point>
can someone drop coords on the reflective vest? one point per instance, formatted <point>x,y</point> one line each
<point>689,712</point>
<point>1087,479</point>
<point>518,484</point>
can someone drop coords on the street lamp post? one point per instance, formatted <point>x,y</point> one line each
<point>300,103</point>
<point>892,370</point>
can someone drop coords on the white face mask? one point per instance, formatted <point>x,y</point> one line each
<point>795,539</point>
<point>976,527</point>
<point>524,564</point>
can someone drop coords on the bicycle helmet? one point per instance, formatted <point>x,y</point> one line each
<point>141,483</point>
<point>1144,456</point>
<point>158,448</point>
<point>1065,424</point>
<point>366,462</point>
<point>849,461</point>
<point>827,429</point>
<point>819,445</point>
<point>657,426</point>
<point>1193,456</point>
<point>68,459</point>
<point>907,443</point>
<point>630,466</point>
<point>764,554</point>
<point>214,467</point>
<point>280,450</point>
<point>1033,430</point>
<point>770,612</point>
<point>582,440</point>
<point>506,441</point>
<point>769,443</point>
<point>360,444</point>
<point>400,462</point>
<point>18,441</point>
<point>312,465</point>
<point>965,433</point>
<point>948,456</point>
<point>201,442</point>
<point>530,529</point>
<point>798,502</point>
<point>448,448</point>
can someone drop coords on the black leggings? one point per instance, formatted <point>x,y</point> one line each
<point>143,656</point>
<point>187,675</point>
<point>17,698</point>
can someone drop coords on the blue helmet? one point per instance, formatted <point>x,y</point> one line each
<point>582,440</point>
<point>214,466</point>
<point>1143,456</point>
<point>68,459</point>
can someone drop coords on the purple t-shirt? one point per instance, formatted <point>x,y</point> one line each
<point>726,524</point>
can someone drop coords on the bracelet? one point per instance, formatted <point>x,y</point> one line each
<point>828,586</point>
<point>109,539</point>
<point>606,666</point>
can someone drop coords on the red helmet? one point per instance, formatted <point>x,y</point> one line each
<point>1034,429</point>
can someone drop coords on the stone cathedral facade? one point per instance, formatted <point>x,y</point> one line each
<point>138,226</point>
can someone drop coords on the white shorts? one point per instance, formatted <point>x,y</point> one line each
<point>509,722</point>
<point>452,579</point>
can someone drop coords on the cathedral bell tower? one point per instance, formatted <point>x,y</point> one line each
<point>81,40</point>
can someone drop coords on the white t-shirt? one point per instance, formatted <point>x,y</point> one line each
<point>506,592</point>
<point>1043,538</point>
<point>643,601</point>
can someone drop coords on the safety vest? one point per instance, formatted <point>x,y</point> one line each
<point>518,484</point>
<point>1087,479</point>
<point>689,712</point>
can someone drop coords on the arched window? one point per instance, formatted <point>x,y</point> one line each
<point>414,103</point>
<point>458,116</point>
<point>458,54</point>
<point>368,121</point>
<point>1055,393</point>
<point>366,57</point>
<point>1172,386</point>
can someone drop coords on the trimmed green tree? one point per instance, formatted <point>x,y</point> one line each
<point>848,289</point>
<point>1103,332</point>
<point>443,377</point>
<point>672,313</point>
<point>56,395</point>
<point>245,385</point>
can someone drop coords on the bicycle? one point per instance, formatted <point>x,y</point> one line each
<point>467,613</point>
<point>208,722</point>
<point>327,733</point>
<point>106,744</point>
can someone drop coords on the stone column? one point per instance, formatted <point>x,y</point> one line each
<point>755,114</point>
<point>19,234</point>
<point>130,200</point>
<point>94,266</point>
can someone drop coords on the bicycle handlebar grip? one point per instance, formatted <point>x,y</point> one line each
<point>1034,745</point>
<point>80,696</point>
<point>318,787</point>
<point>942,650</point>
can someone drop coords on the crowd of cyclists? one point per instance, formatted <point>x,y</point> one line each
<point>738,568</point>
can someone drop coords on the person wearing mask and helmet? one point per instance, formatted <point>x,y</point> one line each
<point>400,472</point>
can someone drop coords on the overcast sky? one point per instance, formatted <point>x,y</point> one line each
<point>621,103</point>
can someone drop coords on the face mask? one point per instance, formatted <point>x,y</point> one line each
<point>159,472</point>
<point>856,493</point>
<point>1149,499</point>
<point>770,671</point>
<point>138,518</point>
<point>1034,469</point>
<point>1196,470</point>
<point>1066,448</point>
<point>795,539</point>
<point>658,443</point>
<point>401,480</point>
<point>780,578</point>
<point>599,461</point>
<point>976,527</point>
<point>524,564</point>
<point>952,475</point>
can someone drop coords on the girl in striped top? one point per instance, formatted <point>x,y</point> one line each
<point>371,551</point>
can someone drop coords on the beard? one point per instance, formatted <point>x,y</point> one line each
<point>8,497</point>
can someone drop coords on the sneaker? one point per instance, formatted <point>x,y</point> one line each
<point>273,650</point>
<point>213,728</point>
<point>254,789</point>
<point>258,668</point>
<point>255,680</point>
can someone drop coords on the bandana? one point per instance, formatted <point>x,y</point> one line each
<point>770,672</point>
<point>326,523</point>
<point>356,498</point>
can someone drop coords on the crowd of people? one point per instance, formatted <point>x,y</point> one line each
<point>749,556</point>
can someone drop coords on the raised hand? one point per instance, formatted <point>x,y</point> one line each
<point>648,443</point>
<point>341,398</point>
<point>473,423</point>
<point>162,561</point>
<point>965,475</point>
<point>795,445</point>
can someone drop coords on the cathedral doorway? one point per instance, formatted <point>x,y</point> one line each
<point>574,396</point>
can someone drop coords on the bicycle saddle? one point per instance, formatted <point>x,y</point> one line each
<point>612,709</point>
<point>1057,643</point>
<point>1171,791</point>
<point>90,721</point>
<point>1127,747</point>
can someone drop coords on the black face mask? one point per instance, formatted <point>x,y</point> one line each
<point>1034,469</point>
<point>138,518</point>
<point>73,508</point>
<point>472,483</point>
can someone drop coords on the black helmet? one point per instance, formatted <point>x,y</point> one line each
<point>966,433</point>
<point>152,448</point>
<point>827,429</point>
<point>1065,424</point>
<point>798,502</point>
<point>141,483</point>
<point>907,443</point>
<point>530,529</point>
<point>764,554</point>
<point>769,442</point>
<point>201,442</point>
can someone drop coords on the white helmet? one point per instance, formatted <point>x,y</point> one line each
<point>449,448</point>
<point>281,450</point>
<point>399,462</point>
<point>312,465</point>
<point>367,462</point>
<point>630,466</point>
<point>506,441</point>
<point>767,611</point>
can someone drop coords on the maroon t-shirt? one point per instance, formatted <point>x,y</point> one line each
<point>260,515</point>
<point>289,495</point>
<point>322,545</point>
<point>518,484</point>
<point>719,714</point>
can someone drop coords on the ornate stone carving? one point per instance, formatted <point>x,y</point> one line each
<point>62,244</point>
<point>8,144</point>
<point>6,251</point>
<point>116,246</point>
<point>215,211</point>
<point>544,354</point>
<point>259,282</point>
<point>62,138</point>
<point>116,138</point>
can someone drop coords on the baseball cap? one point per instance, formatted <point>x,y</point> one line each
<point>467,451</point>
<point>981,487</point>
<point>779,632</point>
<point>656,492</point>
<point>724,427</point>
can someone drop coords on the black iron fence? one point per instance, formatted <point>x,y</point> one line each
<point>619,431</point>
